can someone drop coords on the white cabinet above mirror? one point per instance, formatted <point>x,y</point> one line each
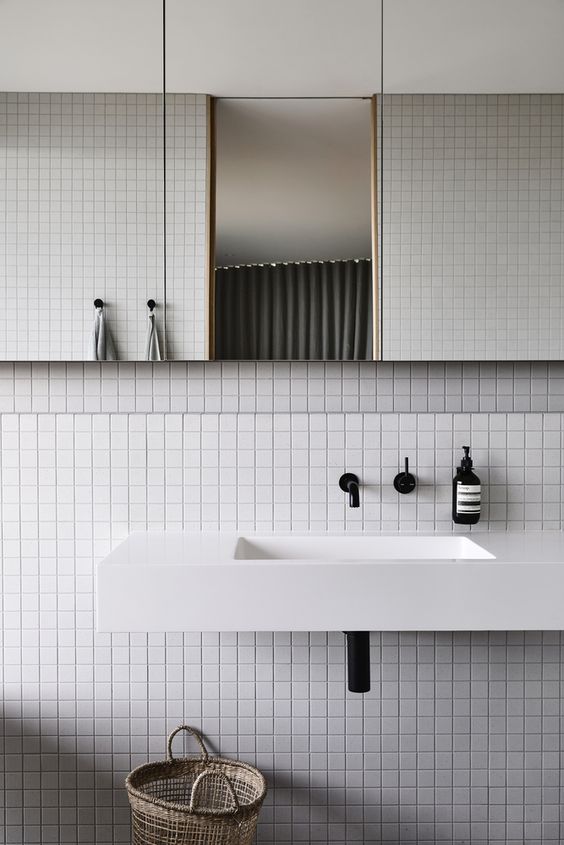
<point>81,46</point>
<point>476,47</point>
<point>268,48</point>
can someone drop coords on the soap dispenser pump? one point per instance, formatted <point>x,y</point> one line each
<point>466,492</point>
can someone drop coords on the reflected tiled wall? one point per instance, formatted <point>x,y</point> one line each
<point>186,175</point>
<point>81,217</point>
<point>472,220</point>
<point>460,739</point>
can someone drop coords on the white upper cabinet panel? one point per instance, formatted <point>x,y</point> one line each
<point>268,48</point>
<point>482,46</point>
<point>81,45</point>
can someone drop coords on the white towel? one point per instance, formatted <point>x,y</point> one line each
<point>152,348</point>
<point>101,346</point>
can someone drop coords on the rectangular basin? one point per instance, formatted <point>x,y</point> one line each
<point>360,548</point>
<point>223,581</point>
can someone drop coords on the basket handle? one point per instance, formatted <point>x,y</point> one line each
<point>197,736</point>
<point>212,773</point>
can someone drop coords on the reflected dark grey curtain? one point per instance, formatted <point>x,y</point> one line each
<point>309,310</point>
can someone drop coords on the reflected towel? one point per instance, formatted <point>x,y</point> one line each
<point>101,346</point>
<point>152,348</point>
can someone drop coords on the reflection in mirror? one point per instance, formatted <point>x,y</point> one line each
<point>293,257</point>
<point>187,205</point>
<point>81,178</point>
<point>473,267</point>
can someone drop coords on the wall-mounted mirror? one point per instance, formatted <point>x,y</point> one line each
<point>81,179</point>
<point>473,212</point>
<point>83,253</point>
<point>293,237</point>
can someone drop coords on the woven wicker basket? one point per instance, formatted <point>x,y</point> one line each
<point>196,800</point>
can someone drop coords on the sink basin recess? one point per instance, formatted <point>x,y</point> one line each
<point>361,548</point>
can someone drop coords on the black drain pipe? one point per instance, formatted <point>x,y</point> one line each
<point>358,660</point>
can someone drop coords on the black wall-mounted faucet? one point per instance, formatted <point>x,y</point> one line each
<point>349,483</point>
<point>405,482</point>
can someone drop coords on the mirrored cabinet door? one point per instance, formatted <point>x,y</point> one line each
<point>473,227</point>
<point>188,197</point>
<point>81,221</point>
<point>293,237</point>
<point>472,147</point>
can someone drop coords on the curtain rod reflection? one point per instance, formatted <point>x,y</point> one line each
<point>291,263</point>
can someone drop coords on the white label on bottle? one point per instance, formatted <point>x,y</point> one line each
<point>468,498</point>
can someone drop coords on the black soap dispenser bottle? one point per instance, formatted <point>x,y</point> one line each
<point>466,492</point>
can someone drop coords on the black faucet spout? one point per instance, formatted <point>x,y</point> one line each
<point>349,483</point>
<point>354,498</point>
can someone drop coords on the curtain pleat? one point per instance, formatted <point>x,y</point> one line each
<point>302,311</point>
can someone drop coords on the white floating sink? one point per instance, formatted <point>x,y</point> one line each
<point>363,548</point>
<point>180,581</point>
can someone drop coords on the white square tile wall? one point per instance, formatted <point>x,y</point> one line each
<point>473,222</point>
<point>213,387</point>
<point>460,739</point>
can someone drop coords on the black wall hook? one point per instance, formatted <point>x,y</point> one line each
<point>405,482</point>
<point>98,303</point>
<point>151,304</point>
